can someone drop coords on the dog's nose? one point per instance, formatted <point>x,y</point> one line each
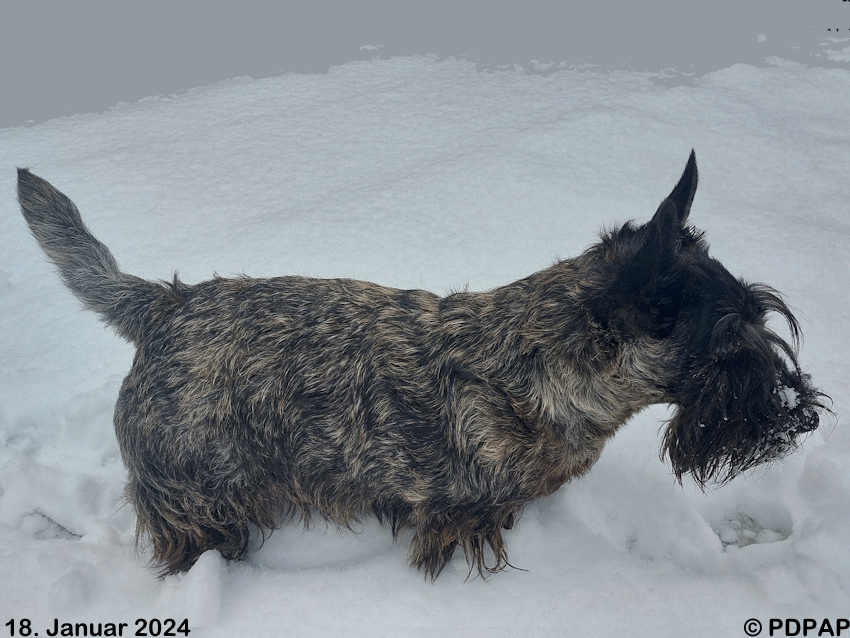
<point>807,419</point>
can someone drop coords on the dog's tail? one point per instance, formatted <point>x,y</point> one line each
<point>127,303</point>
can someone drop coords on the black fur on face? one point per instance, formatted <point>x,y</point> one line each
<point>740,396</point>
<point>744,400</point>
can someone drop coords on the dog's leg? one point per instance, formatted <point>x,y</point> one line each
<point>183,524</point>
<point>432,548</point>
<point>473,529</point>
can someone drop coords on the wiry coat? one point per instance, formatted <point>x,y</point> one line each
<point>250,400</point>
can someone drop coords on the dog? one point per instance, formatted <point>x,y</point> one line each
<point>253,401</point>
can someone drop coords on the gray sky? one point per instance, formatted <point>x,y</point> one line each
<point>62,58</point>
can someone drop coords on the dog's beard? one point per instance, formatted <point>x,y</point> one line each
<point>715,441</point>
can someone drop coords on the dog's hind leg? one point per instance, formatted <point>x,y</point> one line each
<point>181,525</point>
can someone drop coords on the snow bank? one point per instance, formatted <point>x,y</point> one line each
<point>415,172</point>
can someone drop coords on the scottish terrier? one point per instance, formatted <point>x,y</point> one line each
<point>251,401</point>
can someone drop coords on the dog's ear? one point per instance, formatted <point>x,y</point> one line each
<point>657,250</point>
<point>682,196</point>
<point>645,293</point>
<point>657,254</point>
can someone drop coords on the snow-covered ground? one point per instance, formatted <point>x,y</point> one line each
<point>419,172</point>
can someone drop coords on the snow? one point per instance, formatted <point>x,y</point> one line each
<point>420,172</point>
<point>790,397</point>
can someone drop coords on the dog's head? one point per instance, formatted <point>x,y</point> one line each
<point>740,396</point>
